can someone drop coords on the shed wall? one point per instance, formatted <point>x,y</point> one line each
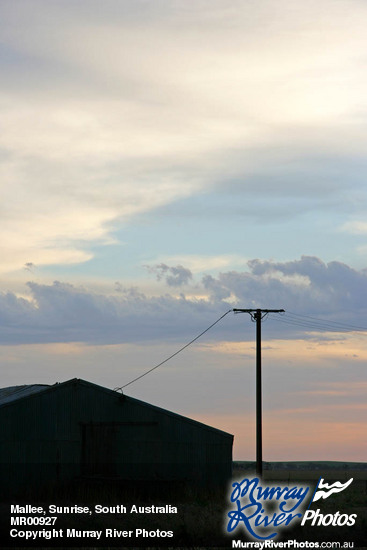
<point>78,428</point>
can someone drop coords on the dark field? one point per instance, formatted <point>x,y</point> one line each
<point>202,512</point>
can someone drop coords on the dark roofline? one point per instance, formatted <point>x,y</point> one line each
<point>155,407</point>
<point>117,395</point>
<point>12,394</point>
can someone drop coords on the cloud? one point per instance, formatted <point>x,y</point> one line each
<point>29,266</point>
<point>109,113</point>
<point>307,285</point>
<point>174,276</point>
<point>200,263</point>
<point>64,313</point>
<point>355,227</point>
<point>333,293</point>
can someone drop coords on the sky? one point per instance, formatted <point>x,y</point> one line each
<point>163,162</point>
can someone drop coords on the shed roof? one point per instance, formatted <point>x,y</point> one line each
<point>9,396</point>
<point>14,393</point>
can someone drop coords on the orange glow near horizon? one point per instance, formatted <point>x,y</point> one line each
<point>288,437</point>
<point>297,351</point>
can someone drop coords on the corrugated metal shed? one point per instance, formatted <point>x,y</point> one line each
<point>16,392</point>
<point>77,428</point>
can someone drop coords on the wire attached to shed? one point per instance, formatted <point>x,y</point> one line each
<point>176,353</point>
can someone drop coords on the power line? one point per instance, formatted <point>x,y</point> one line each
<point>328,322</point>
<point>176,353</point>
<point>312,326</point>
<point>314,323</point>
<point>293,319</point>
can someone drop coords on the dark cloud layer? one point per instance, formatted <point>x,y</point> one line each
<point>308,285</point>
<point>62,312</point>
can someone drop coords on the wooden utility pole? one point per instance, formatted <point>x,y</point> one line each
<point>257,315</point>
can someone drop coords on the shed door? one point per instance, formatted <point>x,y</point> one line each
<point>117,448</point>
<point>99,449</point>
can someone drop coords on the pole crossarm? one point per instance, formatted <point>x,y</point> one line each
<point>259,309</point>
<point>258,313</point>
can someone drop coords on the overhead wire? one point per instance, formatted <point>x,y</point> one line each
<point>313,327</point>
<point>314,323</point>
<point>293,319</point>
<point>328,322</point>
<point>174,354</point>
